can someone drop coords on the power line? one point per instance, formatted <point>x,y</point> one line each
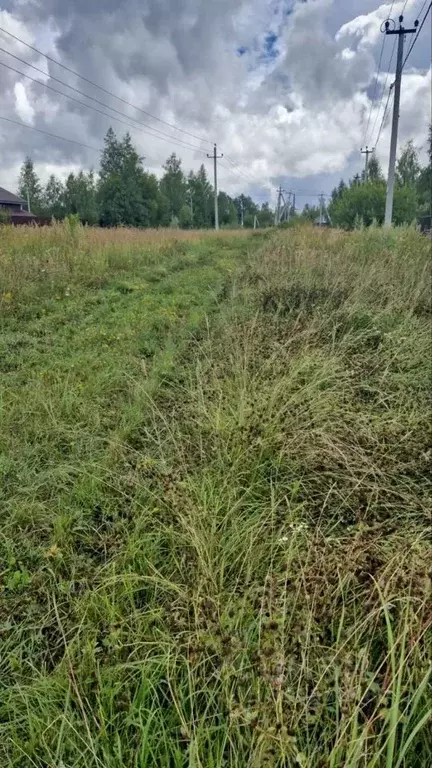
<point>105,90</point>
<point>390,93</point>
<point>156,132</point>
<point>383,90</point>
<point>46,133</point>
<point>375,88</point>
<point>240,170</point>
<point>386,79</point>
<point>418,31</point>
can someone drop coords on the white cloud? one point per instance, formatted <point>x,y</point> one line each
<point>296,115</point>
<point>22,105</point>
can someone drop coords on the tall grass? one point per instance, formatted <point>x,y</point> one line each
<point>231,568</point>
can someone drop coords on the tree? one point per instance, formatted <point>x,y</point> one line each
<point>173,184</point>
<point>339,190</point>
<point>309,213</point>
<point>29,186</point>
<point>250,209</point>
<point>202,198</point>
<point>366,203</point>
<point>79,197</point>
<point>227,210</point>
<point>122,184</point>
<point>374,169</point>
<point>53,198</point>
<point>355,181</point>
<point>185,217</point>
<point>424,183</point>
<point>408,166</point>
<point>266,216</point>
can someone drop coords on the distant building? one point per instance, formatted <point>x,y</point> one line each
<point>322,221</point>
<point>16,208</point>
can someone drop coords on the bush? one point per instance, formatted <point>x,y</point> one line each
<point>366,203</point>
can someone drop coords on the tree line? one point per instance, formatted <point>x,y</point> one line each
<point>123,193</point>
<point>362,200</point>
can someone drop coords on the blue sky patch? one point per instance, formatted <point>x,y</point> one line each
<point>270,50</point>
<point>242,50</point>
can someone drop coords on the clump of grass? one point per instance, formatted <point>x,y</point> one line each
<point>229,567</point>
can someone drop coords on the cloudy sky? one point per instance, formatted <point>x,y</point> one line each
<point>287,88</point>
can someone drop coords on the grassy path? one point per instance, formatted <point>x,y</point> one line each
<point>215,507</point>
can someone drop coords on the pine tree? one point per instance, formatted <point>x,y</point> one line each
<point>173,185</point>
<point>202,198</point>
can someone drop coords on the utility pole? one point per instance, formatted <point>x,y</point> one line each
<point>366,152</point>
<point>321,202</point>
<point>216,157</point>
<point>277,211</point>
<point>256,222</point>
<point>401,32</point>
<point>189,192</point>
<point>28,199</point>
<point>241,212</point>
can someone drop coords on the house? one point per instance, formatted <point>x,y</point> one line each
<point>16,208</point>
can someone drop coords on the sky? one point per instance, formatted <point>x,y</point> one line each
<point>289,89</point>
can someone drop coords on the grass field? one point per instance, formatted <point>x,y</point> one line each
<point>215,499</point>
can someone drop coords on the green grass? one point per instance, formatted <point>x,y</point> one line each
<point>215,502</point>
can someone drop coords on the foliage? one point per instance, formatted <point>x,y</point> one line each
<point>374,169</point>
<point>4,216</point>
<point>366,202</point>
<point>202,197</point>
<point>54,198</point>
<point>408,166</point>
<point>29,187</point>
<point>79,197</point>
<point>173,185</point>
<point>215,499</point>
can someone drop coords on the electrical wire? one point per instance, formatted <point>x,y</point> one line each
<point>418,32</point>
<point>52,135</point>
<point>384,89</point>
<point>240,170</point>
<point>155,131</point>
<point>390,93</point>
<point>375,88</point>
<point>105,90</point>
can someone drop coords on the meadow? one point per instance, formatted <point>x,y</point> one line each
<point>215,499</point>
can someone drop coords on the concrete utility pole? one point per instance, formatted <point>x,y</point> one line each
<point>322,205</point>
<point>367,152</point>
<point>277,211</point>
<point>216,157</point>
<point>256,222</point>
<point>241,212</point>
<point>28,199</point>
<point>401,32</point>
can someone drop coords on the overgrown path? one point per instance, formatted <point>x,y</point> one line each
<point>215,505</point>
